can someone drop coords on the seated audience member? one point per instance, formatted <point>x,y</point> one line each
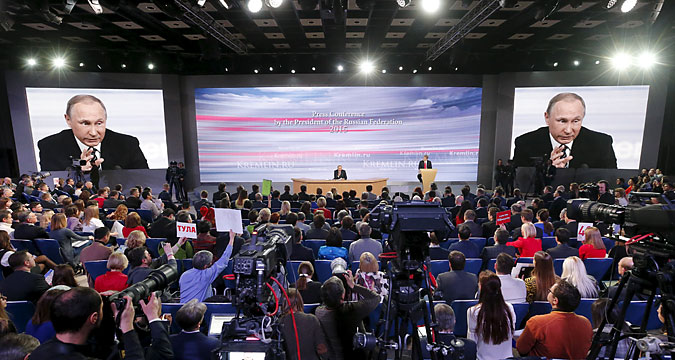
<point>204,240</point>
<point>257,201</point>
<point>501,237</point>
<point>300,252</point>
<point>274,218</point>
<point>164,227</point>
<point>73,217</point>
<point>369,275</point>
<point>98,250</point>
<point>190,343</point>
<point>17,346</point>
<point>6,324</point>
<point>457,284</point>
<point>340,319</point>
<point>301,223</point>
<point>333,248</point>
<point>286,195</point>
<point>543,223</point>
<point>527,245</point>
<point>364,244</point>
<point>445,317</point>
<point>470,222</point>
<point>346,229</point>
<point>26,229</point>
<point>463,208</point>
<point>6,222</point>
<point>563,249</point>
<point>625,264</point>
<point>113,200</point>
<point>135,239</point>
<point>561,334</point>
<point>436,252</point>
<point>22,284</point>
<point>309,290</point>
<point>593,246</point>
<point>598,313</point>
<point>133,201</point>
<point>142,264</point>
<point>149,204</point>
<point>40,325</point>
<point>101,195</point>
<point>302,329</point>
<point>120,213</point>
<point>492,322</point>
<point>133,223</point>
<point>6,250</point>
<point>543,277</point>
<point>45,219</point>
<point>285,209</point>
<point>306,208</point>
<point>526,217</point>
<point>513,289</point>
<point>196,282</point>
<point>489,227</point>
<point>574,272</point>
<point>68,240</point>
<point>64,275</point>
<point>321,203</point>
<point>114,279</point>
<point>318,231</point>
<point>464,245</point>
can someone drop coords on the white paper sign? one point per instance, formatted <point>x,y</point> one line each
<point>229,219</point>
<point>581,232</point>
<point>188,230</point>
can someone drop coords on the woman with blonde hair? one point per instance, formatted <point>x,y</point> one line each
<point>543,277</point>
<point>113,279</point>
<point>91,221</point>
<point>135,239</point>
<point>369,275</point>
<point>527,244</point>
<point>574,271</point>
<point>309,290</point>
<point>46,219</point>
<point>66,238</point>
<point>593,246</point>
<point>241,198</point>
<point>285,209</point>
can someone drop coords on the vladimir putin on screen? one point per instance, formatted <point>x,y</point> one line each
<point>88,139</point>
<point>564,140</point>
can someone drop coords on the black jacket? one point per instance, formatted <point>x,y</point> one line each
<point>341,175</point>
<point>421,164</point>
<point>29,232</point>
<point>163,228</point>
<point>302,253</point>
<point>22,285</point>
<point>119,151</point>
<point>491,252</point>
<point>562,251</point>
<point>133,202</point>
<point>458,285</point>
<point>111,203</point>
<point>438,253</point>
<point>590,149</point>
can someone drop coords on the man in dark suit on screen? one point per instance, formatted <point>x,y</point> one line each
<point>564,140</point>
<point>424,164</point>
<point>88,139</point>
<point>339,173</point>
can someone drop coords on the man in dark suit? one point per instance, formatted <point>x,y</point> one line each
<point>424,164</point>
<point>286,196</point>
<point>570,224</point>
<point>517,196</point>
<point>481,209</point>
<point>22,285</point>
<point>27,229</point>
<point>491,252</point>
<point>133,201</point>
<point>488,228</point>
<point>457,284</point>
<point>557,205</point>
<point>303,195</point>
<point>88,139</point>
<point>339,173</point>
<point>464,245</point>
<point>190,343</point>
<point>113,200</point>
<point>564,140</point>
<point>563,249</point>
<point>69,187</point>
<point>347,224</point>
<point>448,199</point>
<point>436,252</point>
<point>547,195</point>
<point>164,227</point>
<point>470,222</point>
<point>604,195</point>
<point>446,325</point>
<point>317,231</point>
<point>204,201</point>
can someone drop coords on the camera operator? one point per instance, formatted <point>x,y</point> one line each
<point>604,196</point>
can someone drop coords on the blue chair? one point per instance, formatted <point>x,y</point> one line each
<point>25,245</point>
<point>172,308</point>
<point>525,260</point>
<point>322,269</point>
<point>96,268</point>
<point>479,241</point>
<point>548,242</point>
<point>460,307</point>
<point>346,243</point>
<point>219,309</point>
<point>636,311</point>
<point>584,309</point>
<point>310,308</point>
<point>153,246</point>
<point>521,310</point>
<point>491,265</point>
<point>51,249</point>
<point>144,214</point>
<point>540,308</point>
<point>473,265</point>
<point>598,268</point>
<point>20,312</point>
<point>314,244</point>
<point>184,265</point>
<point>446,244</point>
<point>292,271</point>
<point>609,244</point>
<point>374,317</point>
<point>558,266</point>
<point>84,233</point>
<point>439,266</point>
<point>120,241</point>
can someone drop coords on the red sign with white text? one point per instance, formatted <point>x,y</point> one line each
<point>503,217</point>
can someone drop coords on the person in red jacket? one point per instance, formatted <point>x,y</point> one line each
<point>527,244</point>
<point>113,279</point>
<point>593,246</point>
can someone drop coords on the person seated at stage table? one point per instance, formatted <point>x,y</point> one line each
<point>542,278</point>
<point>318,231</point>
<point>527,245</point>
<point>339,173</point>
<point>333,248</point>
<point>309,289</point>
<point>593,246</point>
<point>321,202</point>
<point>133,223</point>
<point>464,245</point>
<point>114,278</point>
<point>190,343</point>
<point>457,284</point>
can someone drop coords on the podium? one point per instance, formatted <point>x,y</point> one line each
<point>428,176</point>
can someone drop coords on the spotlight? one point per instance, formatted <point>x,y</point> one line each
<point>313,68</point>
<point>646,60</point>
<point>255,71</point>
<point>576,62</point>
<point>597,62</point>
<point>429,68</point>
<point>124,66</point>
<point>227,70</point>
<point>415,71</point>
<point>403,3</point>
<point>31,62</point>
<point>400,68</point>
<point>81,64</point>
<point>58,62</point>
<point>555,64</point>
<point>292,71</point>
<point>384,71</point>
<point>628,5</point>
<point>271,68</point>
<point>610,4</point>
<point>308,5</point>
<point>621,61</point>
<point>254,5</point>
<point>431,6</point>
<point>227,4</point>
<point>366,66</point>
<point>274,3</point>
<point>340,68</point>
<point>456,68</point>
<point>151,66</point>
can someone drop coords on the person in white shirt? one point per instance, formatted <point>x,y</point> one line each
<point>6,222</point>
<point>149,204</point>
<point>513,290</point>
<point>91,221</point>
<point>492,322</point>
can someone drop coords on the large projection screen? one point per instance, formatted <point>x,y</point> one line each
<point>278,133</point>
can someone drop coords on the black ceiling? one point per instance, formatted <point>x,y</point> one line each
<point>135,33</point>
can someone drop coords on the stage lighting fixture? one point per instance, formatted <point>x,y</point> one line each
<point>610,4</point>
<point>366,66</point>
<point>227,4</point>
<point>628,5</point>
<point>431,6</point>
<point>307,5</point>
<point>646,60</point>
<point>254,5</point>
<point>255,71</point>
<point>313,68</point>
<point>400,68</point>
<point>58,62</point>
<point>555,64</point>
<point>124,66</point>
<point>227,70</point>
<point>292,71</point>
<point>456,68</point>
<point>340,68</point>
<point>274,3</point>
<point>81,64</point>
<point>151,66</point>
<point>621,61</point>
<point>576,62</point>
<point>403,3</point>
<point>31,62</point>
<point>5,21</point>
<point>507,3</point>
<point>597,62</point>
<point>415,71</point>
<point>384,71</point>
<point>429,68</point>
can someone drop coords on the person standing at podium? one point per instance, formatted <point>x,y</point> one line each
<point>424,164</point>
<point>339,173</point>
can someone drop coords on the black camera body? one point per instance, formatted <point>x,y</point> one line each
<point>157,280</point>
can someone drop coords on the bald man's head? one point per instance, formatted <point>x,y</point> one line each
<point>625,264</point>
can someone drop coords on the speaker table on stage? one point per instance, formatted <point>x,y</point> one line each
<point>341,185</point>
<point>428,176</point>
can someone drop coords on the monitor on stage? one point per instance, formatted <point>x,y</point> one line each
<point>278,133</point>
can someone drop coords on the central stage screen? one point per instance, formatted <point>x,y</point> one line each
<point>279,133</point>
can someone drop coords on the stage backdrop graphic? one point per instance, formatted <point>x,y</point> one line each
<point>139,113</point>
<point>279,133</point>
<point>618,111</point>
